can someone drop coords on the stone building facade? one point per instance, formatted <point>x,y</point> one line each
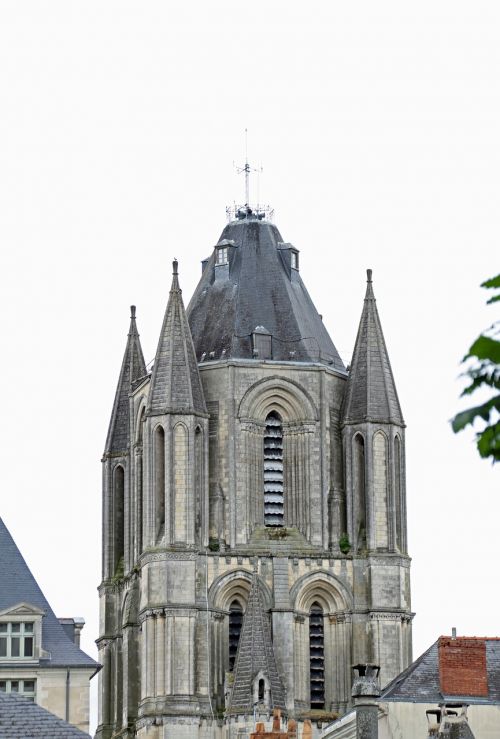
<point>254,514</point>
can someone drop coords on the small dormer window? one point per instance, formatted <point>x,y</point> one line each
<point>16,640</point>
<point>222,255</point>
<point>294,259</point>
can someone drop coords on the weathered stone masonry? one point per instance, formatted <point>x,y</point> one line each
<point>185,538</point>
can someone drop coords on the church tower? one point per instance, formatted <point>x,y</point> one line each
<point>254,515</point>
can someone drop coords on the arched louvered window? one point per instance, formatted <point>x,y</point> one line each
<point>118,516</point>
<point>235,623</point>
<point>317,657</point>
<point>273,471</point>
<point>160,480</point>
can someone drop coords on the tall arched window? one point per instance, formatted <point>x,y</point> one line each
<point>159,480</point>
<point>273,471</point>
<point>397,492</point>
<point>118,516</point>
<point>359,490</point>
<point>139,479</point>
<point>316,657</point>
<point>235,623</point>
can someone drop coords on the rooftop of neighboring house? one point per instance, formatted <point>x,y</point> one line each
<point>21,599</point>
<point>462,669</point>
<point>19,717</point>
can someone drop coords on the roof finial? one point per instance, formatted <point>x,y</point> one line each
<point>368,275</point>
<point>247,169</point>
<point>132,312</point>
<point>175,265</point>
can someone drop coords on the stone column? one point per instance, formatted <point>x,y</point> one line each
<point>365,691</point>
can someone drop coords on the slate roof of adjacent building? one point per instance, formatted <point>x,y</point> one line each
<point>133,368</point>
<point>371,391</point>
<point>255,653</point>
<point>455,664</point>
<point>17,585</point>
<point>175,382</point>
<point>259,288</point>
<point>22,719</point>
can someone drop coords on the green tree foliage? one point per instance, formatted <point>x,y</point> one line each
<point>484,372</point>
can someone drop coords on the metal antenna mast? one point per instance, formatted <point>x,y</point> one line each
<point>247,169</point>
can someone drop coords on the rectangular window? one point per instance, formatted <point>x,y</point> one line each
<point>222,255</point>
<point>16,640</point>
<point>26,688</point>
<point>294,259</point>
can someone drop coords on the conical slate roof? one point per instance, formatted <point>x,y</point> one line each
<point>255,654</point>
<point>175,383</point>
<point>259,288</point>
<point>371,392</point>
<point>17,585</point>
<point>133,368</point>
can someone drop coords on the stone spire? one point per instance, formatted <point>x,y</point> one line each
<point>175,384</point>
<point>371,392</point>
<point>255,658</point>
<point>133,368</point>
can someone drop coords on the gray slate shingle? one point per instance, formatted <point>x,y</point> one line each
<point>17,585</point>
<point>260,290</point>
<point>419,683</point>
<point>22,719</point>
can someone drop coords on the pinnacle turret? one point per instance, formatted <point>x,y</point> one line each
<point>255,658</point>
<point>133,368</point>
<point>371,391</point>
<point>175,383</point>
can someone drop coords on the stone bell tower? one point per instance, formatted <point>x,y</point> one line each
<point>254,514</point>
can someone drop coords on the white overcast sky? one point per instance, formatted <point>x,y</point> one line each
<point>377,124</point>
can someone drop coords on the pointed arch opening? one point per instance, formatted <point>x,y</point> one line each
<point>118,517</point>
<point>316,657</point>
<point>359,491</point>
<point>235,624</point>
<point>159,466</point>
<point>397,494</point>
<point>381,523</point>
<point>274,513</point>
<point>139,471</point>
<point>262,690</point>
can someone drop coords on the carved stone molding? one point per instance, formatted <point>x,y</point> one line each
<point>165,556</point>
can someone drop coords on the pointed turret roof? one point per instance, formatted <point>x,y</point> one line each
<point>257,287</point>
<point>18,586</point>
<point>175,384</point>
<point>255,654</point>
<point>133,368</point>
<point>371,392</point>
